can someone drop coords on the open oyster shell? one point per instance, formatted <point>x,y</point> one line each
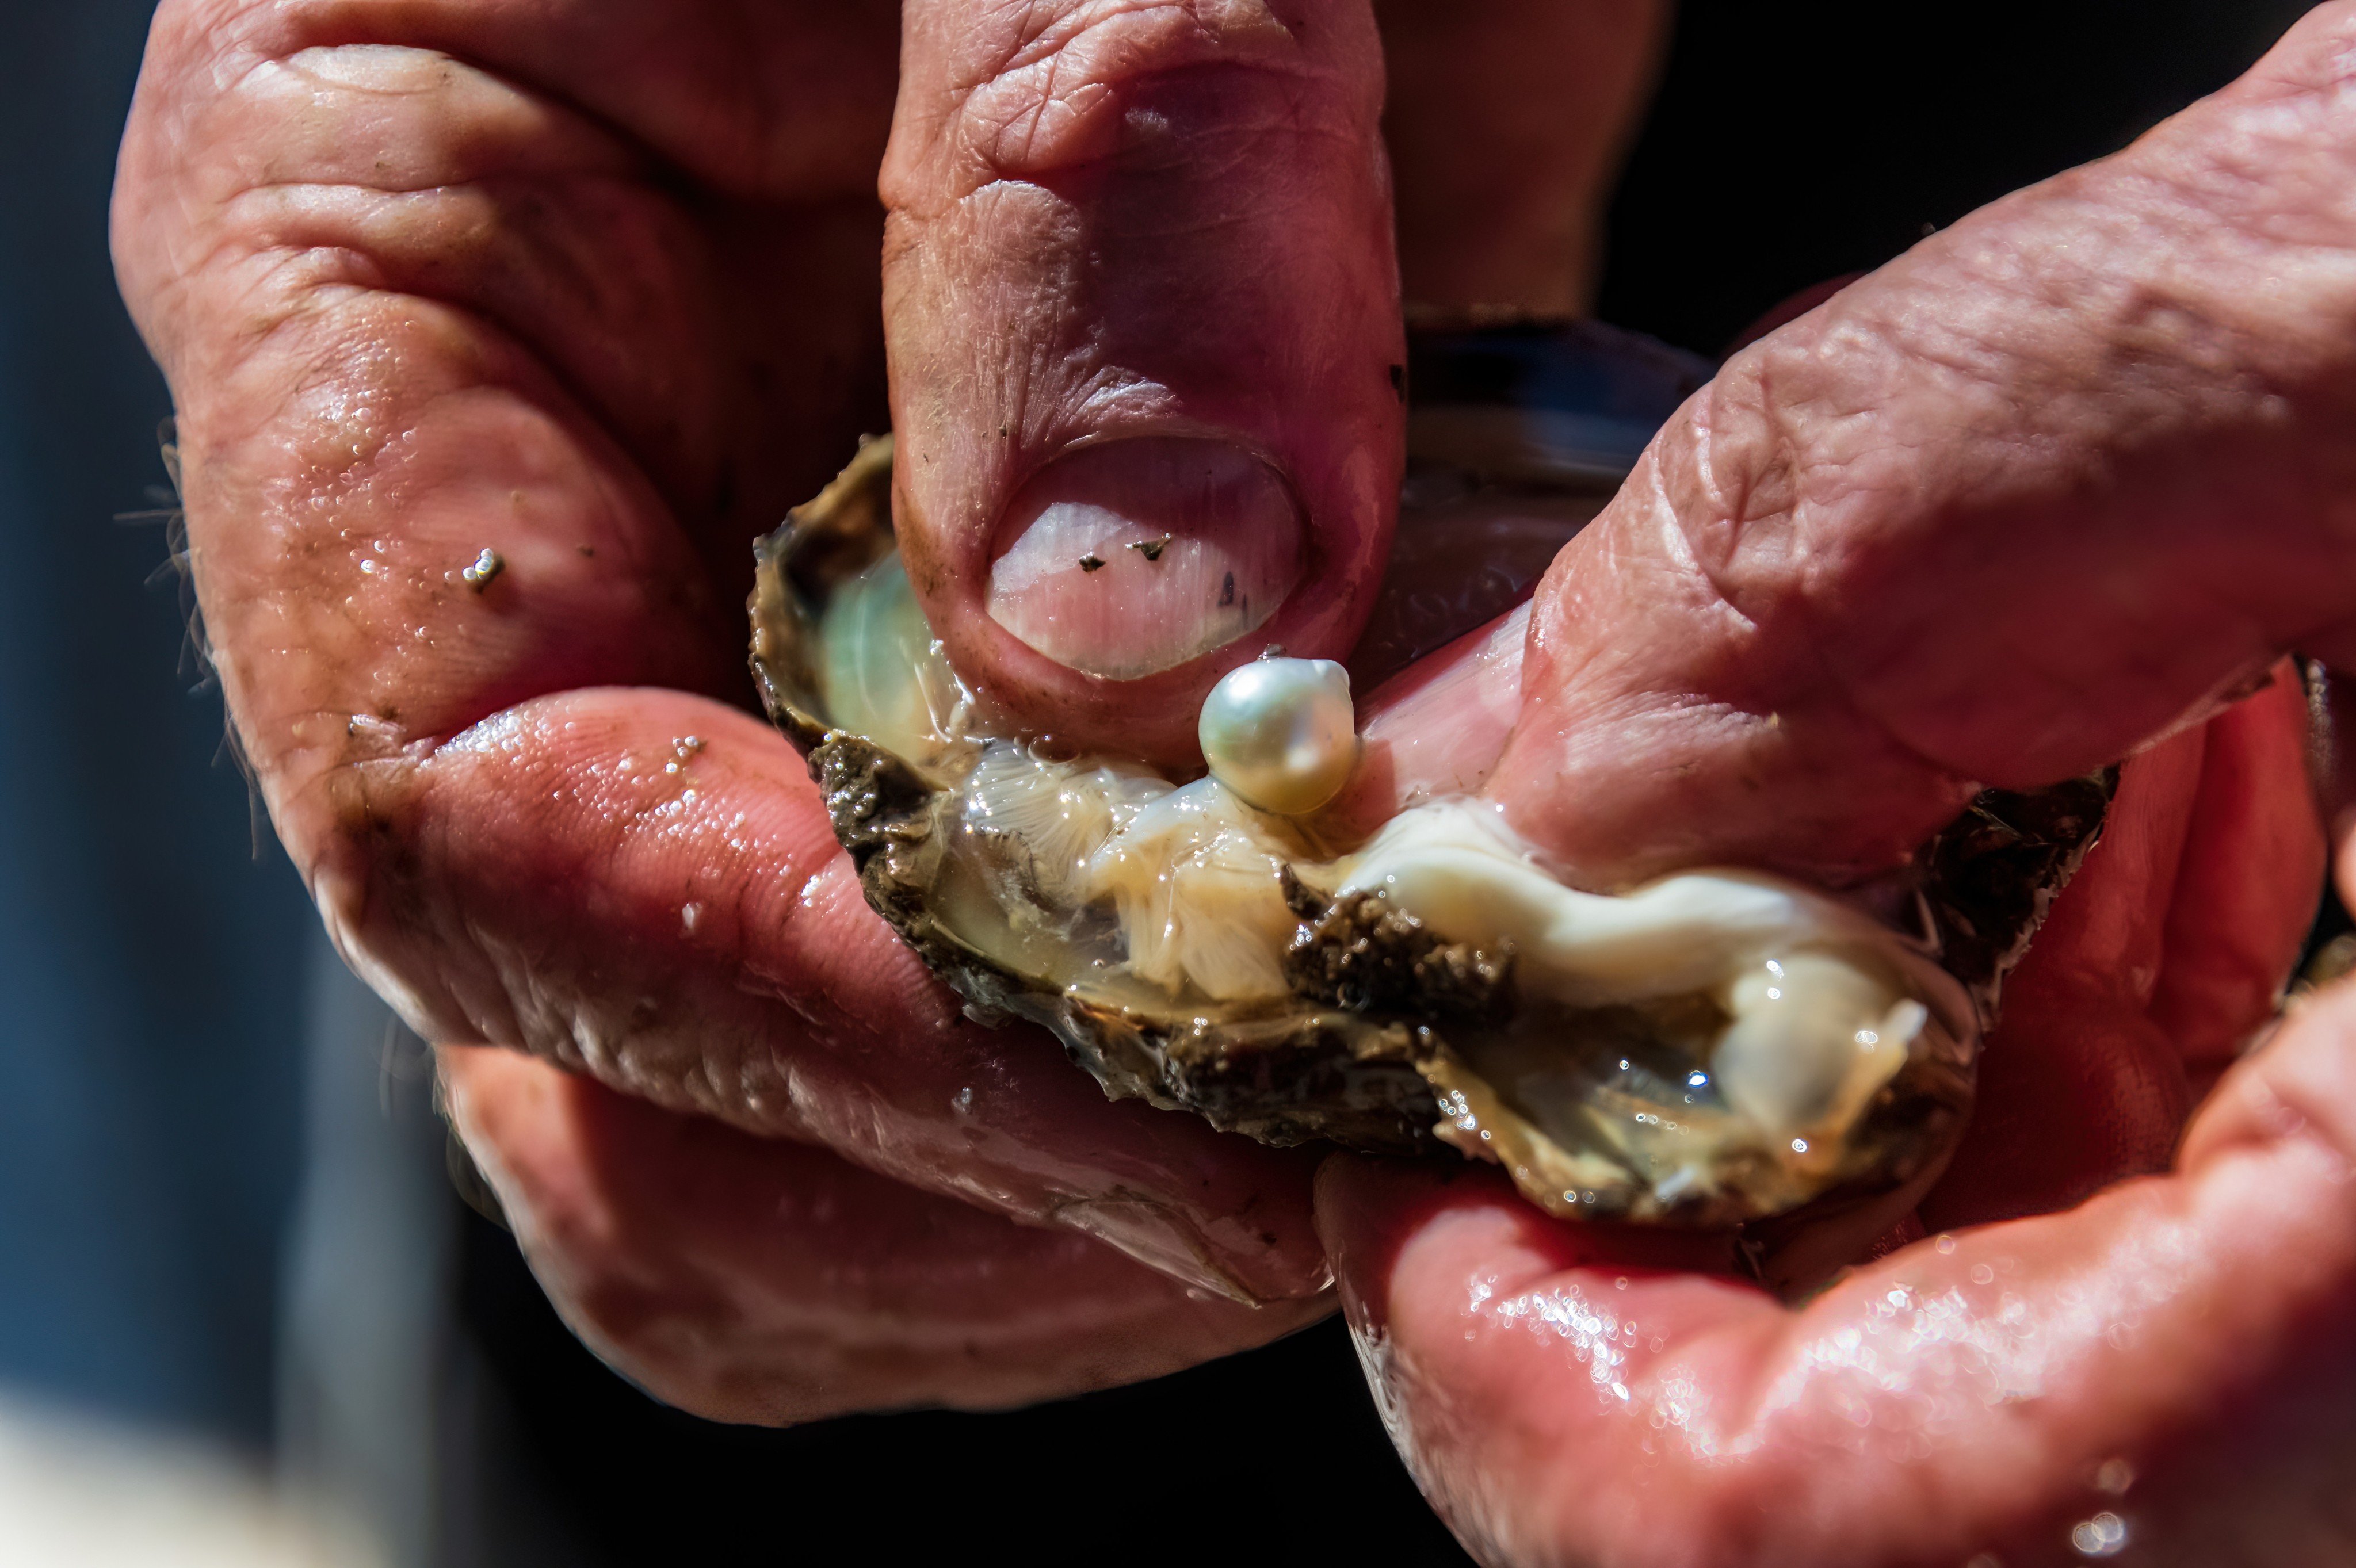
<point>1712,1050</point>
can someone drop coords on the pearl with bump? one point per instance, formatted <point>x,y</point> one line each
<point>1283,734</point>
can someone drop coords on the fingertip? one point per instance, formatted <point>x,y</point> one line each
<point>1142,314</point>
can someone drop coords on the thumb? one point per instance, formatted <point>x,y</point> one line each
<point>1141,307</point>
<point>2058,481</point>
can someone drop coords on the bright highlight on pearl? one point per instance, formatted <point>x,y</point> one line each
<point>1283,734</point>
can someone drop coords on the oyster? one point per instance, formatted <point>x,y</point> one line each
<point>1713,1048</point>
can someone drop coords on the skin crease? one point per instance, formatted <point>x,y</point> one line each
<point>563,297</point>
<point>2227,932</point>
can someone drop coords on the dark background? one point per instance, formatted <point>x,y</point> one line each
<point>151,957</point>
<point>1791,143</point>
<point>150,1003</point>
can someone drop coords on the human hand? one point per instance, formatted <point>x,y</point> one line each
<point>499,330</point>
<point>2053,489</point>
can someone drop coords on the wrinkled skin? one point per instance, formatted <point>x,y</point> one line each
<point>758,1280</point>
<point>2058,482</point>
<point>593,286</point>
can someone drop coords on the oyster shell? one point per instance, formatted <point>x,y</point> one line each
<point>1711,1049</point>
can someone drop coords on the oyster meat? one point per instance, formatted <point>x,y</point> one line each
<point>1713,1048</point>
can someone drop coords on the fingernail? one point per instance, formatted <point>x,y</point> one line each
<point>1137,555</point>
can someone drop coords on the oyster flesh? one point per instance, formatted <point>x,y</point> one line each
<point>1713,1048</point>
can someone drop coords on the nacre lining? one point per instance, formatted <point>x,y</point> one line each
<point>1715,1048</point>
<point>1703,1047</point>
<point>1707,1042</point>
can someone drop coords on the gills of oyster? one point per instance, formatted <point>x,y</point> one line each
<point>1712,1049</point>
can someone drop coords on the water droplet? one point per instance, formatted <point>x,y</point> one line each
<point>2115,1477</point>
<point>2105,1535</point>
<point>1983,1274</point>
<point>1946,1243</point>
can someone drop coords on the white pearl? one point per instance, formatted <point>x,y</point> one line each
<point>1283,734</point>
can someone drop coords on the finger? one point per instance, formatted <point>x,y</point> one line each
<point>358,432</point>
<point>414,310</point>
<point>2246,889</point>
<point>1506,125</point>
<point>1994,514</point>
<point>712,952</point>
<point>2173,1355</point>
<point>2162,957</point>
<point>352,440</point>
<point>1140,285</point>
<point>755,1281</point>
<point>503,159</point>
<point>2086,1079</point>
<point>2079,1086</point>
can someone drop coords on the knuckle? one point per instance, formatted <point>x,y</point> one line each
<point>1037,90</point>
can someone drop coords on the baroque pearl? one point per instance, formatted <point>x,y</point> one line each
<point>1283,734</point>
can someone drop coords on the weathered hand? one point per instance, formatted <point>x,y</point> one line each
<point>2062,481</point>
<point>498,329</point>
